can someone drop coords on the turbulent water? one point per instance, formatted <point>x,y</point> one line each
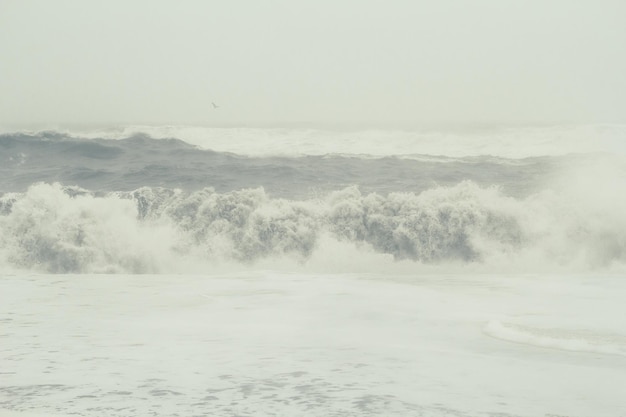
<point>178,199</point>
<point>299,272</point>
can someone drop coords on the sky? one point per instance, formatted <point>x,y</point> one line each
<point>392,62</point>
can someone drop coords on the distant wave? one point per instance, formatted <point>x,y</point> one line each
<point>503,142</point>
<point>137,161</point>
<point>53,228</point>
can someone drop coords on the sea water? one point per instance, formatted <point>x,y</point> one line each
<point>193,271</point>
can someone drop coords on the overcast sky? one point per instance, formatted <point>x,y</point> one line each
<point>323,61</point>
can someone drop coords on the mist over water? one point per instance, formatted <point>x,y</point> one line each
<point>146,205</point>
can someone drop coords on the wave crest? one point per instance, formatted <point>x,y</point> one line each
<point>53,228</point>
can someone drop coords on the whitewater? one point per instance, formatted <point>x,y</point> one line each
<point>192,271</point>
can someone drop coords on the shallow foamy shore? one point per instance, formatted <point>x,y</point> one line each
<point>12,413</point>
<point>273,343</point>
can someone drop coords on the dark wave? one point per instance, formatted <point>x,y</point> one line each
<point>128,164</point>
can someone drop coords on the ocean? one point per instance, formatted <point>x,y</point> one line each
<point>196,271</point>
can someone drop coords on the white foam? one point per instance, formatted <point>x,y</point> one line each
<point>575,340</point>
<point>159,230</point>
<point>11,413</point>
<point>269,343</point>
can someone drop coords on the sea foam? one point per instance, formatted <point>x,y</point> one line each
<point>53,228</point>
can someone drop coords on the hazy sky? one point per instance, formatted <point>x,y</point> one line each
<point>333,61</point>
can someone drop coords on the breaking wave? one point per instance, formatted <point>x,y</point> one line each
<point>59,229</point>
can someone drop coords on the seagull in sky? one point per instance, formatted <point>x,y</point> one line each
<point>215,106</point>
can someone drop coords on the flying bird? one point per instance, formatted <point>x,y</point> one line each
<point>215,106</point>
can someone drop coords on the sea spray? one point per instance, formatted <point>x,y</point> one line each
<point>52,228</point>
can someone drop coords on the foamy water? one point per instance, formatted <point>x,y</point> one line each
<point>269,343</point>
